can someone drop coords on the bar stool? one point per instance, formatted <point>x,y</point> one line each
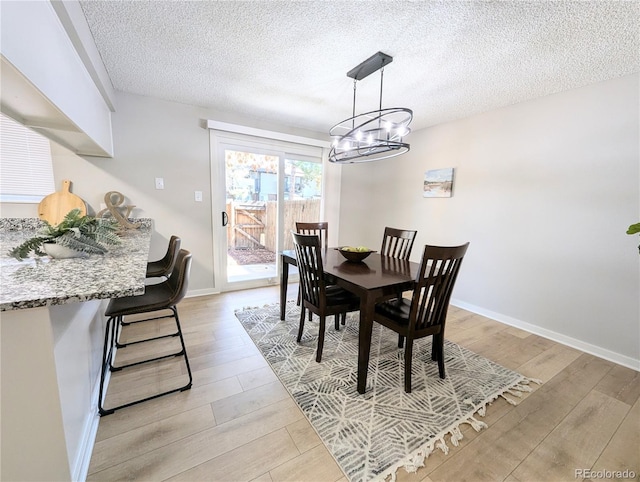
<point>163,267</point>
<point>163,296</point>
<point>160,268</point>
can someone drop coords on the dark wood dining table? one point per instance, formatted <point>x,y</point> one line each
<point>373,280</point>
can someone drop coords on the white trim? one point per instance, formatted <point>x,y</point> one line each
<point>205,292</point>
<point>272,135</point>
<point>600,352</point>
<point>80,468</point>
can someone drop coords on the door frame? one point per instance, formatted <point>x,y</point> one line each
<point>265,142</point>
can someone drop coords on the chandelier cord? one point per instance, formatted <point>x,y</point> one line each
<point>381,78</point>
<point>353,115</point>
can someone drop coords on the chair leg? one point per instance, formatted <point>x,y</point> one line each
<point>107,354</point>
<point>408,357</point>
<point>434,348</point>
<point>344,318</point>
<point>440,344</point>
<point>321,330</point>
<point>115,326</point>
<point>400,341</point>
<point>301,327</point>
<point>336,321</point>
<point>106,362</point>
<point>184,352</point>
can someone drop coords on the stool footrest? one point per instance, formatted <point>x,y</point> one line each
<point>160,337</point>
<point>170,355</point>
<point>127,323</point>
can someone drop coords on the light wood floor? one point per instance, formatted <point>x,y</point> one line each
<point>238,423</point>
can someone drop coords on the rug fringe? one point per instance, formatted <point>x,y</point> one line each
<point>413,462</point>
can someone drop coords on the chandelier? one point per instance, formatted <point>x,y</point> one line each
<point>373,135</point>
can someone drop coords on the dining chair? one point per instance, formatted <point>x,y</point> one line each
<point>318,297</point>
<point>425,313</point>
<point>160,300</point>
<point>320,229</point>
<point>163,267</point>
<point>397,243</point>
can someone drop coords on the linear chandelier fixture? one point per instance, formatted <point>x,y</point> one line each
<point>373,135</point>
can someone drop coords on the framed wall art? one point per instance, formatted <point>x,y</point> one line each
<point>438,183</point>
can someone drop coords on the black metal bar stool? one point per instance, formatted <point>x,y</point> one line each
<point>159,297</point>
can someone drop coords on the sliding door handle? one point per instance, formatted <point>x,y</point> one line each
<point>225,218</point>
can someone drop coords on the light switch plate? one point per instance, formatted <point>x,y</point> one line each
<point>159,183</point>
<point>198,196</point>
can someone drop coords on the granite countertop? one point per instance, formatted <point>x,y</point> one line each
<point>43,281</point>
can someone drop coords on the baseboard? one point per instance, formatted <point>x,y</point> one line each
<point>80,468</point>
<point>208,291</point>
<point>598,351</point>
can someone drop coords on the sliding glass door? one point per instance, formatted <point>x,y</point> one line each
<point>263,190</point>
<point>251,207</point>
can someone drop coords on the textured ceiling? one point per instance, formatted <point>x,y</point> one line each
<point>286,61</point>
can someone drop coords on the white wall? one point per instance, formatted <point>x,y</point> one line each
<point>154,138</point>
<point>51,73</point>
<point>544,191</point>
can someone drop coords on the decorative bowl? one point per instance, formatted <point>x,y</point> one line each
<point>355,256</point>
<point>62,252</point>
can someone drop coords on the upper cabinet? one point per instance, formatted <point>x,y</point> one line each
<point>51,79</point>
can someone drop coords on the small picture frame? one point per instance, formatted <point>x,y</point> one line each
<point>438,183</point>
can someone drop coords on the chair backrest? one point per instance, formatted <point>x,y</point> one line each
<point>397,243</point>
<point>318,229</point>
<point>310,269</point>
<point>439,269</point>
<point>164,266</point>
<point>179,279</point>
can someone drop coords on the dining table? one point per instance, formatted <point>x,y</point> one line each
<point>373,280</point>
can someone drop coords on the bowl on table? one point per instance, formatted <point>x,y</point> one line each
<point>355,255</point>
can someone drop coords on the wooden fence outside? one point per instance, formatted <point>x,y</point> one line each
<point>253,224</point>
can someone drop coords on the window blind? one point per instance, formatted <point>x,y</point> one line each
<point>26,169</point>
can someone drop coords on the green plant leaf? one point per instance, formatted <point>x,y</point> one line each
<point>86,234</point>
<point>33,244</point>
<point>81,243</point>
<point>634,229</point>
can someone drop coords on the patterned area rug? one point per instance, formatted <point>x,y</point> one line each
<point>372,435</point>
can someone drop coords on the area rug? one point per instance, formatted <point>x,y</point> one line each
<point>371,435</point>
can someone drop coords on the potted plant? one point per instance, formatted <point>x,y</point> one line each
<point>82,235</point>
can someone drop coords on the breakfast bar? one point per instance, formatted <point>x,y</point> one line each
<point>51,322</point>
